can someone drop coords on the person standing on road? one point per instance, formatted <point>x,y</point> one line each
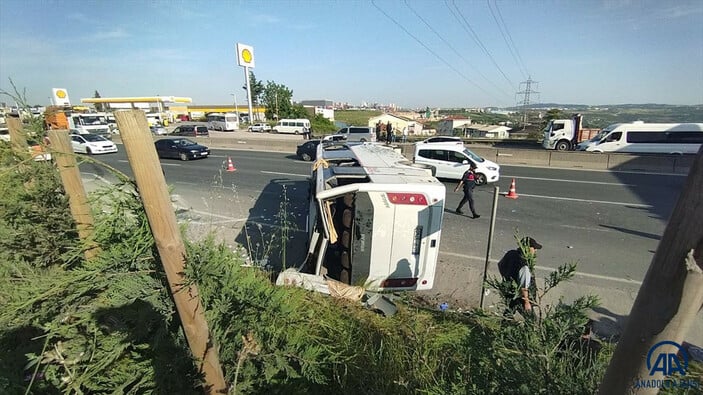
<point>514,266</point>
<point>468,181</point>
<point>405,134</point>
<point>389,132</point>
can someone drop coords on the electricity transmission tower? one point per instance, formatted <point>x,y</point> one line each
<point>526,92</point>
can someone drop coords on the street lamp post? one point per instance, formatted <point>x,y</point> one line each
<point>236,110</point>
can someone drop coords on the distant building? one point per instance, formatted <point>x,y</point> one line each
<point>399,122</point>
<point>487,131</point>
<point>317,103</point>
<point>325,112</point>
<point>447,126</point>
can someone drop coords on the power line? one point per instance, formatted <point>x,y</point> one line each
<point>452,48</point>
<point>431,51</point>
<point>510,37</point>
<point>526,98</point>
<point>475,37</point>
<point>507,43</point>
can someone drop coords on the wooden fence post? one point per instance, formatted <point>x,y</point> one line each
<point>18,139</point>
<point>139,145</point>
<point>62,153</point>
<point>670,296</point>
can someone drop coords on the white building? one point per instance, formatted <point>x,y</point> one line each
<point>398,123</point>
<point>447,126</point>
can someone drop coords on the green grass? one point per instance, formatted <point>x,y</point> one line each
<point>355,117</point>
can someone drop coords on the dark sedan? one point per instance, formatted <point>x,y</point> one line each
<point>183,149</point>
<point>308,150</point>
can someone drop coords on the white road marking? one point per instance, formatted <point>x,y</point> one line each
<point>284,174</point>
<point>548,269</point>
<point>162,164</point>
<point>637,205</point>
<point>573,181</point>
<point>584,228</point>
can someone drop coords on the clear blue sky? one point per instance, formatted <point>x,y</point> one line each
<point>581,52</point>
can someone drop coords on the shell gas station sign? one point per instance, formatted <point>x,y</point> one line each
<point>59,97</point>
<point>245,55</point>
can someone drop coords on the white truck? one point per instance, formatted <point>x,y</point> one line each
<point>94,123</point>
<point>565,134</point>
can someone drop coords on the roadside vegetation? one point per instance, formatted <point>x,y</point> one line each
<point>108,325</point>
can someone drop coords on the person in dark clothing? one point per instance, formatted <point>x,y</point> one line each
<point>389,132</point>
<point>468,181</point>
<point>514,266</point>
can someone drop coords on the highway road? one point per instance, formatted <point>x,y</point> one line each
<point>608,223</point>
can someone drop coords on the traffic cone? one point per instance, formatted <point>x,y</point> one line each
<point>512,194</point>
<point>230,165</point>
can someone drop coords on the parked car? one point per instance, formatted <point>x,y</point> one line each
<point>92,144</point>
<point>191,130</point>
<point>308,150</point>
<point>260,127</point>
<point>183,149</point>
<point>158,130</point>
<point>443,140</point>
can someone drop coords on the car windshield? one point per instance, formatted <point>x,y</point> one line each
<point>93,138</point>
<point>184,142</point>
<point>473,156</point>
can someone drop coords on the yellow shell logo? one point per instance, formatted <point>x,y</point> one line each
<point>61,94</point>
<point>246,55</point>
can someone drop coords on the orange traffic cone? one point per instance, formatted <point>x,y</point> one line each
<point>512,194</point>
<point>230,165</point>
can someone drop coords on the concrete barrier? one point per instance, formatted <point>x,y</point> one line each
<point>628,162</point>
<point>683,164</point>
<point>578,160</point>
<point>522,157</point>
<point>504,156</point>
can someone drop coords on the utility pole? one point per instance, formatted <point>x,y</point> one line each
<point>526,92</point>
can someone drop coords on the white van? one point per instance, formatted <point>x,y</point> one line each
<point>651,138</point>
<point>353,133</point>
<point>452,161</point>
<point>295,126</point>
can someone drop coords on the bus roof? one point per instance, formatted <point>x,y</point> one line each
<point>379,163</point>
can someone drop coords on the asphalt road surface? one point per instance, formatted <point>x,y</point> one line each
<point>608,223</point>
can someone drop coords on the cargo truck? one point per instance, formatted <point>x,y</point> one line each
<point>565,134</point>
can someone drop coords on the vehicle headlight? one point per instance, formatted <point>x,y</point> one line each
<point>193,151</point>
<point>492,168</point>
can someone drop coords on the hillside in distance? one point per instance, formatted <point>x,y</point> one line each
<point>603,115</point>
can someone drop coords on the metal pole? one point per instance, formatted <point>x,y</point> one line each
<point>490,242</point>
<point>251,111</point>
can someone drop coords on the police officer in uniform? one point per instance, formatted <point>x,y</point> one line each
<point>468,181</point>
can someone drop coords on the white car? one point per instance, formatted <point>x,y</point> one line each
<point>443,140</point>
<point>260,127</point>
<point>158,130</point>
<point>92,144</point>
<point>451,160</point>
